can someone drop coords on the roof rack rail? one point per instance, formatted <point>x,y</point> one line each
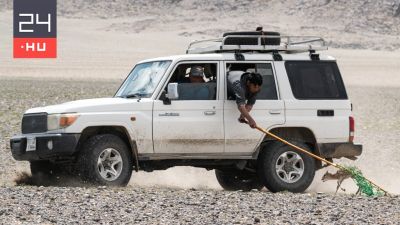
<point>289,44</point>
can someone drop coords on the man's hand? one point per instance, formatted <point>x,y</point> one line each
<point>252,123</point>
<point>242,119</point>
<point>244,115</point>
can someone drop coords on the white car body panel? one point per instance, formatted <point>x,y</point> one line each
<point>109,112</point>
<point>191,130</point>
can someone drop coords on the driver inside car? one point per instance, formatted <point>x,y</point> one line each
<point>197,89</point>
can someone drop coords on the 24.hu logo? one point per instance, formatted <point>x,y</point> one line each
<point>35,28</point>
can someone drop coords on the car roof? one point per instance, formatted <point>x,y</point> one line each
<point>231,57</point>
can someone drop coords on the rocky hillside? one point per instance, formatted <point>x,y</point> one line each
<point>344,23</point>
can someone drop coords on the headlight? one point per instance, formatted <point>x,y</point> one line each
<point>59,121</point>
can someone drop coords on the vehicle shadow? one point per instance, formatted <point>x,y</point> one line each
<point>65,180</point>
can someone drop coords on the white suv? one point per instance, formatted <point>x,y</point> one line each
<point>157,119</point>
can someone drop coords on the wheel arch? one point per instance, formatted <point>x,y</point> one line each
<point>118,131</point>
<point>296,134</point>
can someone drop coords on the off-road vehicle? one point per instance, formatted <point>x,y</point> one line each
<point>157,120</point>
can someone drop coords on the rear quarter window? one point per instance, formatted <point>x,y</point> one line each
<point>315,80</point>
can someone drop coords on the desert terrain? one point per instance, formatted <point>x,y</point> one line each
<point>100,41</point>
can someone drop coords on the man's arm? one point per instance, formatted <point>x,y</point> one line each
<point>244,108</point>
<point>245,114</point>
<point>248,108</point>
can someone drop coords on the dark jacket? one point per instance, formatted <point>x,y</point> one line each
<point>237,88</point>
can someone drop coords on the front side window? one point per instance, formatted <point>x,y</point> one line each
<point>143,79</point>
<point>196,81</point>
<point>268,88</point>
<point>315,80</point>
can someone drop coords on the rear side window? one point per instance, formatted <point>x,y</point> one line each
<point>315,80</point>
<point>268,88</point>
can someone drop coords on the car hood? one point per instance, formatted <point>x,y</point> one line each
<point>91,105</point>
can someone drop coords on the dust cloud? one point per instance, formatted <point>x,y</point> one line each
<point>177,177</point>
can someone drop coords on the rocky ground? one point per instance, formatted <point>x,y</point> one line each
<point>60,205</point>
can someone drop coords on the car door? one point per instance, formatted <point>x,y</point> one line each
<point>268,110</point>
<point>191,124</point>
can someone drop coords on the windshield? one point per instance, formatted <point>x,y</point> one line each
<point>143,79</point>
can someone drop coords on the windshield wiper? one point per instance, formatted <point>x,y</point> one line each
<point>133,95</point>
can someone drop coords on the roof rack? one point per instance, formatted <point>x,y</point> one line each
<point>289,44</point>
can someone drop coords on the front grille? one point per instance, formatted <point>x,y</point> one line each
<point>34,123</point>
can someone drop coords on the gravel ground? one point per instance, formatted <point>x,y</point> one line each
<point>376,110</point>
<point>168,206</point>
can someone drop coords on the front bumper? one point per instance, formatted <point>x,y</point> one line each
<point>339,150</point>
<point>48,146</point>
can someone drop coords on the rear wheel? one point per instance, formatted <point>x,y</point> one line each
<point>282,168</point>
<point>106,160</point>
<point>238,180</point>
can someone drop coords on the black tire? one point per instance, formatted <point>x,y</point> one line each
<point>88,160</point>
<point>238,180</point>
<point>272,180</point>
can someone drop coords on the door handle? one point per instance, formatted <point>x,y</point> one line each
<point>274,112</point>
<point>168,114</point>
<point>209,113</point>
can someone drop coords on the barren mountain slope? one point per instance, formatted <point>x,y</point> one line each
<point>345,23</point>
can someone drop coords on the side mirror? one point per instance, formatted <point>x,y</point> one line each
<point>173,91</point>
<point>164,98</point>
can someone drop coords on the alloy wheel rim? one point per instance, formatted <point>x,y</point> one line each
<point>109,164</point>
<point>289,167</point>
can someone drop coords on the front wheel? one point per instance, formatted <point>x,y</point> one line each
<point>282,168</point>
<point>237,180</point>
<point>106,160</point>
